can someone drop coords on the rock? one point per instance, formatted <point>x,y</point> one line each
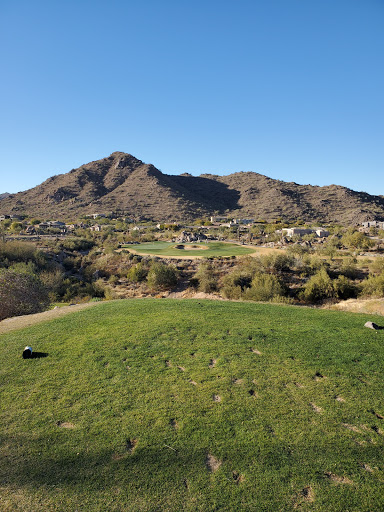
<point>371,325</point>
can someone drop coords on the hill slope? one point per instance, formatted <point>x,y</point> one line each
<point>148,405</point>
<point>123,183</point>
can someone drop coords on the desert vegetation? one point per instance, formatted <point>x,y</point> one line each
<point>98,266</point>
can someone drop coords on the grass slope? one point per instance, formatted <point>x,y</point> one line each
<point>208,250</point>
<point>165,405</point>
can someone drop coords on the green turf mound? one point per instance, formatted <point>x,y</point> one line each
<point>161,405</point>
<point>207,250</point>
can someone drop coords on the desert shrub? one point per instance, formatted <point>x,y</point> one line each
<point>373,286</point>
<point>234,284</point>
<point>298,250</point>
<point>349,268</point>
<point>356,240</point>
<point>265,287</point>
<point>277,262</point>
<point>137,273</point>
<point>71,263</point>
<point>21,294</point>
<point>207,278</point>
<point>77,244</point>
<point>318,287</point>
<point>162,276</point>
<point>24,267</point>
<point>113,279</point>
<point>53,280</point>
<point>377,266</point>
<point>12,252</point>
<point>344,288</point>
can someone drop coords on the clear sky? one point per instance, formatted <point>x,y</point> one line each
<point>293,89</point>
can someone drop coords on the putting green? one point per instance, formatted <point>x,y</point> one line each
<point>191,250</point>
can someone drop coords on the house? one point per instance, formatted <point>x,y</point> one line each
<point>243,221</point>
<point>373,224</point>
<point>97,215</point>
<point>218,219</point>
<point>96,227</point>
<point>320,232</point>
<point>56,224</point>
<point>297,231</point>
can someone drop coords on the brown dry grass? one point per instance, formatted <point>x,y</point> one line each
<point>369,306</point>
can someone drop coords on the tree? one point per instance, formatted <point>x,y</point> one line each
<point>162,276</point>
<point>357,240</point>
<point>318,287</point>
<point>21,294</point>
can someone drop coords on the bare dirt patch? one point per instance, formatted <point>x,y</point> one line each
<point>174,424</point>
<point>339,479</point>
<point>255,351</point>
<point>65,424</point>
<point>212,463</point>
<point>315,407</point>
<point>216,398</point>
<point>306,495</point>
<point>237,477</point>
<point>131,445</point>
<point>353,428</point>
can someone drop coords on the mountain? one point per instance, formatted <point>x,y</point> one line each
<point>4,195</point>
<point>123,183</point>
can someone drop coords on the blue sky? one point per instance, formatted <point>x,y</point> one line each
<point>293,89</point>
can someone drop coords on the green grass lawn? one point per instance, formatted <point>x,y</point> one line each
<point>166,405</point>
<point>207,250</point>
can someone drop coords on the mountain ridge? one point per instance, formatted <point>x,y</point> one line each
<point>121,182</point>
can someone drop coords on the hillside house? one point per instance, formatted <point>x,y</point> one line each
<point>320,232</point>
<point>97,215</point>
<point>373,224</point>
<point>218,219</point>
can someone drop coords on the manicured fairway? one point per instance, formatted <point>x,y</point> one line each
<point>192,250</point>
<point>167,405</point>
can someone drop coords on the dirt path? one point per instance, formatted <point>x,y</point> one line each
<point>19,322</point>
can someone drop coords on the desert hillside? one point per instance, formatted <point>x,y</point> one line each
<point>122,183</point>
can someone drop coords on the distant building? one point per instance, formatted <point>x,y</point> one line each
<point>218,219</point>
<point>320,232</point>
<point>97,215</point>
<point>373,224</point>
<point>297,231</point>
